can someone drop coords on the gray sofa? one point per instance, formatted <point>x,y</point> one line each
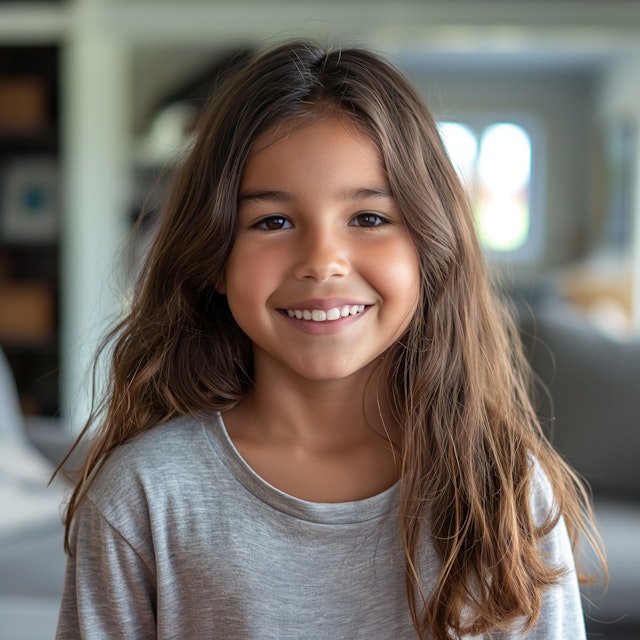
<point>593,418</point>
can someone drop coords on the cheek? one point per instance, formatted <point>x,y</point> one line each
<point>403,286</point>
<point>402,272</point>
<point>250,276</point>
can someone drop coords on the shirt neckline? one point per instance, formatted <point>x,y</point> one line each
<point>353,512</point>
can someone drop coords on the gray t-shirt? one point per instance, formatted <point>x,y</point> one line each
<point>180,538</point>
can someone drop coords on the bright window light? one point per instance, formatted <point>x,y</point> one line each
<point>462,145</point>
<point>494,164</point>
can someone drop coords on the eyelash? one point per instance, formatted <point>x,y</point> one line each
<point>282,221</point>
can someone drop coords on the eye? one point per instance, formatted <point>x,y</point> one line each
<point>368,219</point>
<point>273,223</point>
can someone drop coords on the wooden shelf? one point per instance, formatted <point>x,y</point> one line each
<point>29,266</point>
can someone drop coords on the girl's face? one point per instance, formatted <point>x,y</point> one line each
<point>323,276</point>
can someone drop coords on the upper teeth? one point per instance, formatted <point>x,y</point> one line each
<point>319,315</point>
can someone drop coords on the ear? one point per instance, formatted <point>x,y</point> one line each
<point>221,287</point>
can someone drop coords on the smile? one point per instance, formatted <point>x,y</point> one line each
<point>320,315</point>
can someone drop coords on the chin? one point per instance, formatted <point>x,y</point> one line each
<point>330,372</point>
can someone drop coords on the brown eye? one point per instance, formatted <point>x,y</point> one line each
<point>273,223</point>
<point>368,219</point>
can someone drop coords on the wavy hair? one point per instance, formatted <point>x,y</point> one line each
<point>460,386</point>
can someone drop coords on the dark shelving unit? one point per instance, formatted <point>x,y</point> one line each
<point>29,216</point>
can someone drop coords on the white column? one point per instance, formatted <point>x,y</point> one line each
<point>95,108</point>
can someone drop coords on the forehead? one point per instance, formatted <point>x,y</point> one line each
<point>314,143</point>
<point>330,118</point>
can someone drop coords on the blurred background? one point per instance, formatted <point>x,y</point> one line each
<point>539,107</point>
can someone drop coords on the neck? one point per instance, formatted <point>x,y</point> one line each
<point>320,414</point>
<point>319,441</point>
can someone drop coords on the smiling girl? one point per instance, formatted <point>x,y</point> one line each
<point>318,424</point>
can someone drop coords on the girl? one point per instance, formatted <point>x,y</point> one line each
<point>318,423</point>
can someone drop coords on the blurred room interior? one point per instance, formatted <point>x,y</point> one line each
<point>539,104</point>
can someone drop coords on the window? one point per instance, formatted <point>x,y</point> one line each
<point>495,163</point>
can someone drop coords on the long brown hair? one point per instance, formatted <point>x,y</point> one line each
<point>460,383</point>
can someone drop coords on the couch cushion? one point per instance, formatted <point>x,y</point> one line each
<point>594,382</point>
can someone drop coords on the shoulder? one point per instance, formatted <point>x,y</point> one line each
<point>167,444</point>
<point>547,515</point>
<point>165,485</point>
<point>154,462</point>
<point>542,500</point>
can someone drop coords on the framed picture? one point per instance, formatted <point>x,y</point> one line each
<point>29,204</point>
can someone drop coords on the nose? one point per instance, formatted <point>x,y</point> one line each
<point>322,255</point>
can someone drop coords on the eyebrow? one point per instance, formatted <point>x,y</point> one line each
<point>363,193</point>
<point>252,195</point>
